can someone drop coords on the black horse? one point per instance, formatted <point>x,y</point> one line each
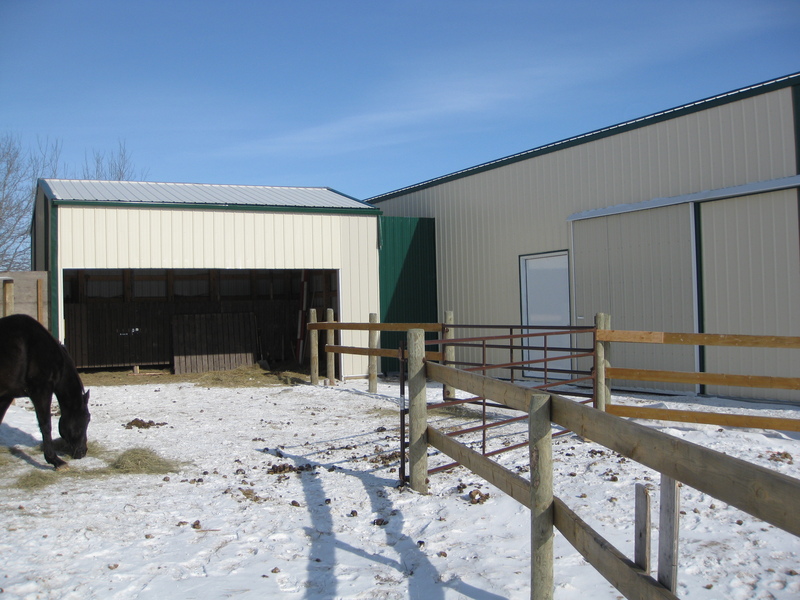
<point>34,364</point>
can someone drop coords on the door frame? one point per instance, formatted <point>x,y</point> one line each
<point>524,300</point>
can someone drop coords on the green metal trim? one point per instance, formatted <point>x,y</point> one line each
<point>796,110</point>
<point>367,211</point>
<point>694,107</point>
<point>52,270</point>
<point>701,319</point>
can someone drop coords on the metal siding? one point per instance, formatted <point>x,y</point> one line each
<point>407,277</point>
<point>751,284</point>
<point>629,267</point>
<point>359,286</point>
<point>486,220</point>
<point>112,238</point>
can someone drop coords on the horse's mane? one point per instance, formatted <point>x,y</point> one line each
<point>70,380</point>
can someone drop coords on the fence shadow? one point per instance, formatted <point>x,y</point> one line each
<point>411,561</point>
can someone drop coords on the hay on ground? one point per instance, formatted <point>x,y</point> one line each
<point>142,461</point>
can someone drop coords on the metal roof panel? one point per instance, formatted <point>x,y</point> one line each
<point>81,190</point>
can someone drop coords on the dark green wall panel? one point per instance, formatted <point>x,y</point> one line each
<point>407,276</point>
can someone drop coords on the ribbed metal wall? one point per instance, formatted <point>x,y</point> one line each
<point>486,219</point>
<point>630,267</point>
<point>751,284</point>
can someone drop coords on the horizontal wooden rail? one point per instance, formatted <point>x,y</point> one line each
<point>481,386</point>
<point>603,556</point>
<point>697,339</point>
<point>620,571</point>
<point>376,352</point>
<point>429,327</point>
<point>763,493</point>
<point>512,484</point>
<point>755,381</point>
<point>708,418</point>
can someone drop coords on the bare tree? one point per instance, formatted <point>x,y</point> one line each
<point>20,170</point>
<point>111,166</point>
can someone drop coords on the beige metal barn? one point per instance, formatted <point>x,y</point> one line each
<point>685,221</point>
<point>144,273</point>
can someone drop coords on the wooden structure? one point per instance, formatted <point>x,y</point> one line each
<point>605,373</point>
<point>763,493</point>
<point>213,342</point>
<point>24,292</point>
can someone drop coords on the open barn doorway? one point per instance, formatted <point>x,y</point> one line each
<point>192,319</point>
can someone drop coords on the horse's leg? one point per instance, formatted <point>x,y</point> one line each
<point>5,402</point>
<point>42,401</point>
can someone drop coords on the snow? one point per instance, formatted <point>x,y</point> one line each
<point>230,524</point>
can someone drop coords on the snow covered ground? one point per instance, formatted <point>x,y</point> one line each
<point>290,492</point>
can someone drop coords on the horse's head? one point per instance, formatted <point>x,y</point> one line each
<point>73,424</point>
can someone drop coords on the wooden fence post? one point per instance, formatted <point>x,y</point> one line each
<point>541,459</point>
<point>372,364</point>
<point>668,521</point>
<point>313,335</point>
<point>330,356</point>
<point>641,530</point>
<point>8,297</point>
<point>601,363</point>
<point>40,302</point>
<point>418,412</point>
<point>449,391</point>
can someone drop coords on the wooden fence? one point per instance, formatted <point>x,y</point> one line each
<point>26,293</point>
<point>763,493</point>
<point>605,372</point>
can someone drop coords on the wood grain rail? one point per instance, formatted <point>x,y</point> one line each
<point>756,381</point>
<point>698,339</point>
<point>707,418</point>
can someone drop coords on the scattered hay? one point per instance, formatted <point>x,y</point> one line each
<point>92,449</point>
<point>246,376</point>
<point>135,461</point>
<point>37,479</point>
<point>142,461</point>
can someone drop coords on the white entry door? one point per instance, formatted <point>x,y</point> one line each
<point>544,283</point>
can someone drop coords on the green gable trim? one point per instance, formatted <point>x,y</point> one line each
<point>52,272</point>
<point>796,109</point>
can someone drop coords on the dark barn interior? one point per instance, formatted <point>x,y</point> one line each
<point>192,319</point>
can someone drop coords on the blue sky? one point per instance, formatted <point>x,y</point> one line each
<point>364,96</point>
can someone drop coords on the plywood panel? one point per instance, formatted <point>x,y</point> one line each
<point>213,342</point>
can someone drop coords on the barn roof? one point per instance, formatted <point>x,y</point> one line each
<point>198,194</point>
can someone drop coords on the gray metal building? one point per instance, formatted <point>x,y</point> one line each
<point>685,221</point>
